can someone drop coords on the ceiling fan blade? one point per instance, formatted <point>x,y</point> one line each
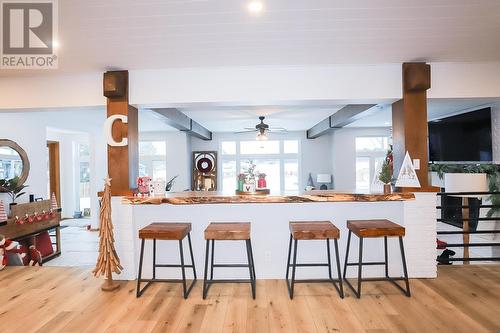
<point>278,129</point>
<point>249,131</point>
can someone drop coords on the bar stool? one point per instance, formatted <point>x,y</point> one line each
<point>376,229</point>
<point>228,231</point>
<point>314,230</point>
<point>166,231</point>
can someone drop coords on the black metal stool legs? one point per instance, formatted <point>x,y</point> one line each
<point>291,285</point>
<point>205,287</point>
<point>340,287</point>
<point>183,266</point>
<point>360,265</point>
<point>138,291</point>
<point>184,284</point>
<point>294,265</point>
<point>250,265</point>
<point>251,270</point>
<point>405,270</point>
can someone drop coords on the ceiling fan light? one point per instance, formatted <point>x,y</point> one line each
<point>261,136</point>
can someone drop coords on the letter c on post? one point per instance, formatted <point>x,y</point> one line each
<point>108,130</point>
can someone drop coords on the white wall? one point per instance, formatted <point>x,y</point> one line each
<point>178,155</point>
<point>29,130</point>
<point>315,155</point>
<point>264,84</point>
<point>30,134</point>
<point>344,153</point>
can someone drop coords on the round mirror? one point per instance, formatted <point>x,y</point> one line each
<point>13,161</point>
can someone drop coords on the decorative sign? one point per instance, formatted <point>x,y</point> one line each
<point>204,171</point>
<point>108,130</point>
<point>407,176</point>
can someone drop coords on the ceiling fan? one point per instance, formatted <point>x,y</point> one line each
<point>262,129</point>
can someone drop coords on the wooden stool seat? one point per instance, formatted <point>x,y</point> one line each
<point>375,228</point>
<point>165,231</point>
<point>314,230</point>
<point>233,231</point>
<point>228,231</point>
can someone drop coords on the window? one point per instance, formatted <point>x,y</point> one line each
<point>291,147</point>
<point>153,160</point>
<point>259,147</point>
<point>228,176</point>
<point>84,182</point>
<point>228,148</point>
<point>372,144</point>
<point>291,175</point>
<point>278,159</point>
<point>272,170</point>
<point>370,154</point>
<point>363,173</point>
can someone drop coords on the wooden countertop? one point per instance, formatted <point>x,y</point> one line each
<point>198,198</point>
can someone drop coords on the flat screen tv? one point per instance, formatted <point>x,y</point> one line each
<point>462,138</point>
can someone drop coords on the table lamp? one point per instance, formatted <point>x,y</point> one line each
<point>462,185</point>
<point>323,179</point>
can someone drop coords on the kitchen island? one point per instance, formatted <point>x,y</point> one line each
<point>270,216</point>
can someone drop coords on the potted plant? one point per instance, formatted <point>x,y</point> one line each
<point>12,187</point>
<point>385,176</point>
<point>170,183</point>
<point>241,181</point>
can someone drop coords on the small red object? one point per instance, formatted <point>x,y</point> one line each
<point>44,244</point>
<point>441,245</point>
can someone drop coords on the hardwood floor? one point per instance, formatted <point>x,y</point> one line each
<point>56,299</point>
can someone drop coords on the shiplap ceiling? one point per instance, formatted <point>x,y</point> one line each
<point>96,35</point>
<point>237,118</point>
<point>302,117</point>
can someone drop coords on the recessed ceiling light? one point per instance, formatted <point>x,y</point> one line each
<point>255,6</point>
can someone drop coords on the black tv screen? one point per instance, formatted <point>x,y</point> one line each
<point>462,138</point>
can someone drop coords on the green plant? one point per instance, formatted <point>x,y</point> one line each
<point>385,175</point>
<point>12,187</point>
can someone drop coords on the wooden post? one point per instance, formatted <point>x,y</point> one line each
<point>409,123</point>
<point>466,228</point>
<point>123,162</point>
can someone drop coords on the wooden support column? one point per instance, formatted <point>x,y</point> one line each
<point>409,122</point>
<point>123,161</point>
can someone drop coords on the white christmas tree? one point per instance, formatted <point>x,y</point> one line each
<point>407,176</point>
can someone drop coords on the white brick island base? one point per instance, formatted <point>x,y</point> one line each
<point>270,236</point>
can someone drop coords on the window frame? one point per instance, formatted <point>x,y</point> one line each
<point>152,158</point>
<point>281,157</point>
<point>372,155</point>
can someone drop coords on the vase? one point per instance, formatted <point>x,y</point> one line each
<point>387,189</point>
<point>261,183</point>
<point>240,185</point>
<point>249,187</point>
